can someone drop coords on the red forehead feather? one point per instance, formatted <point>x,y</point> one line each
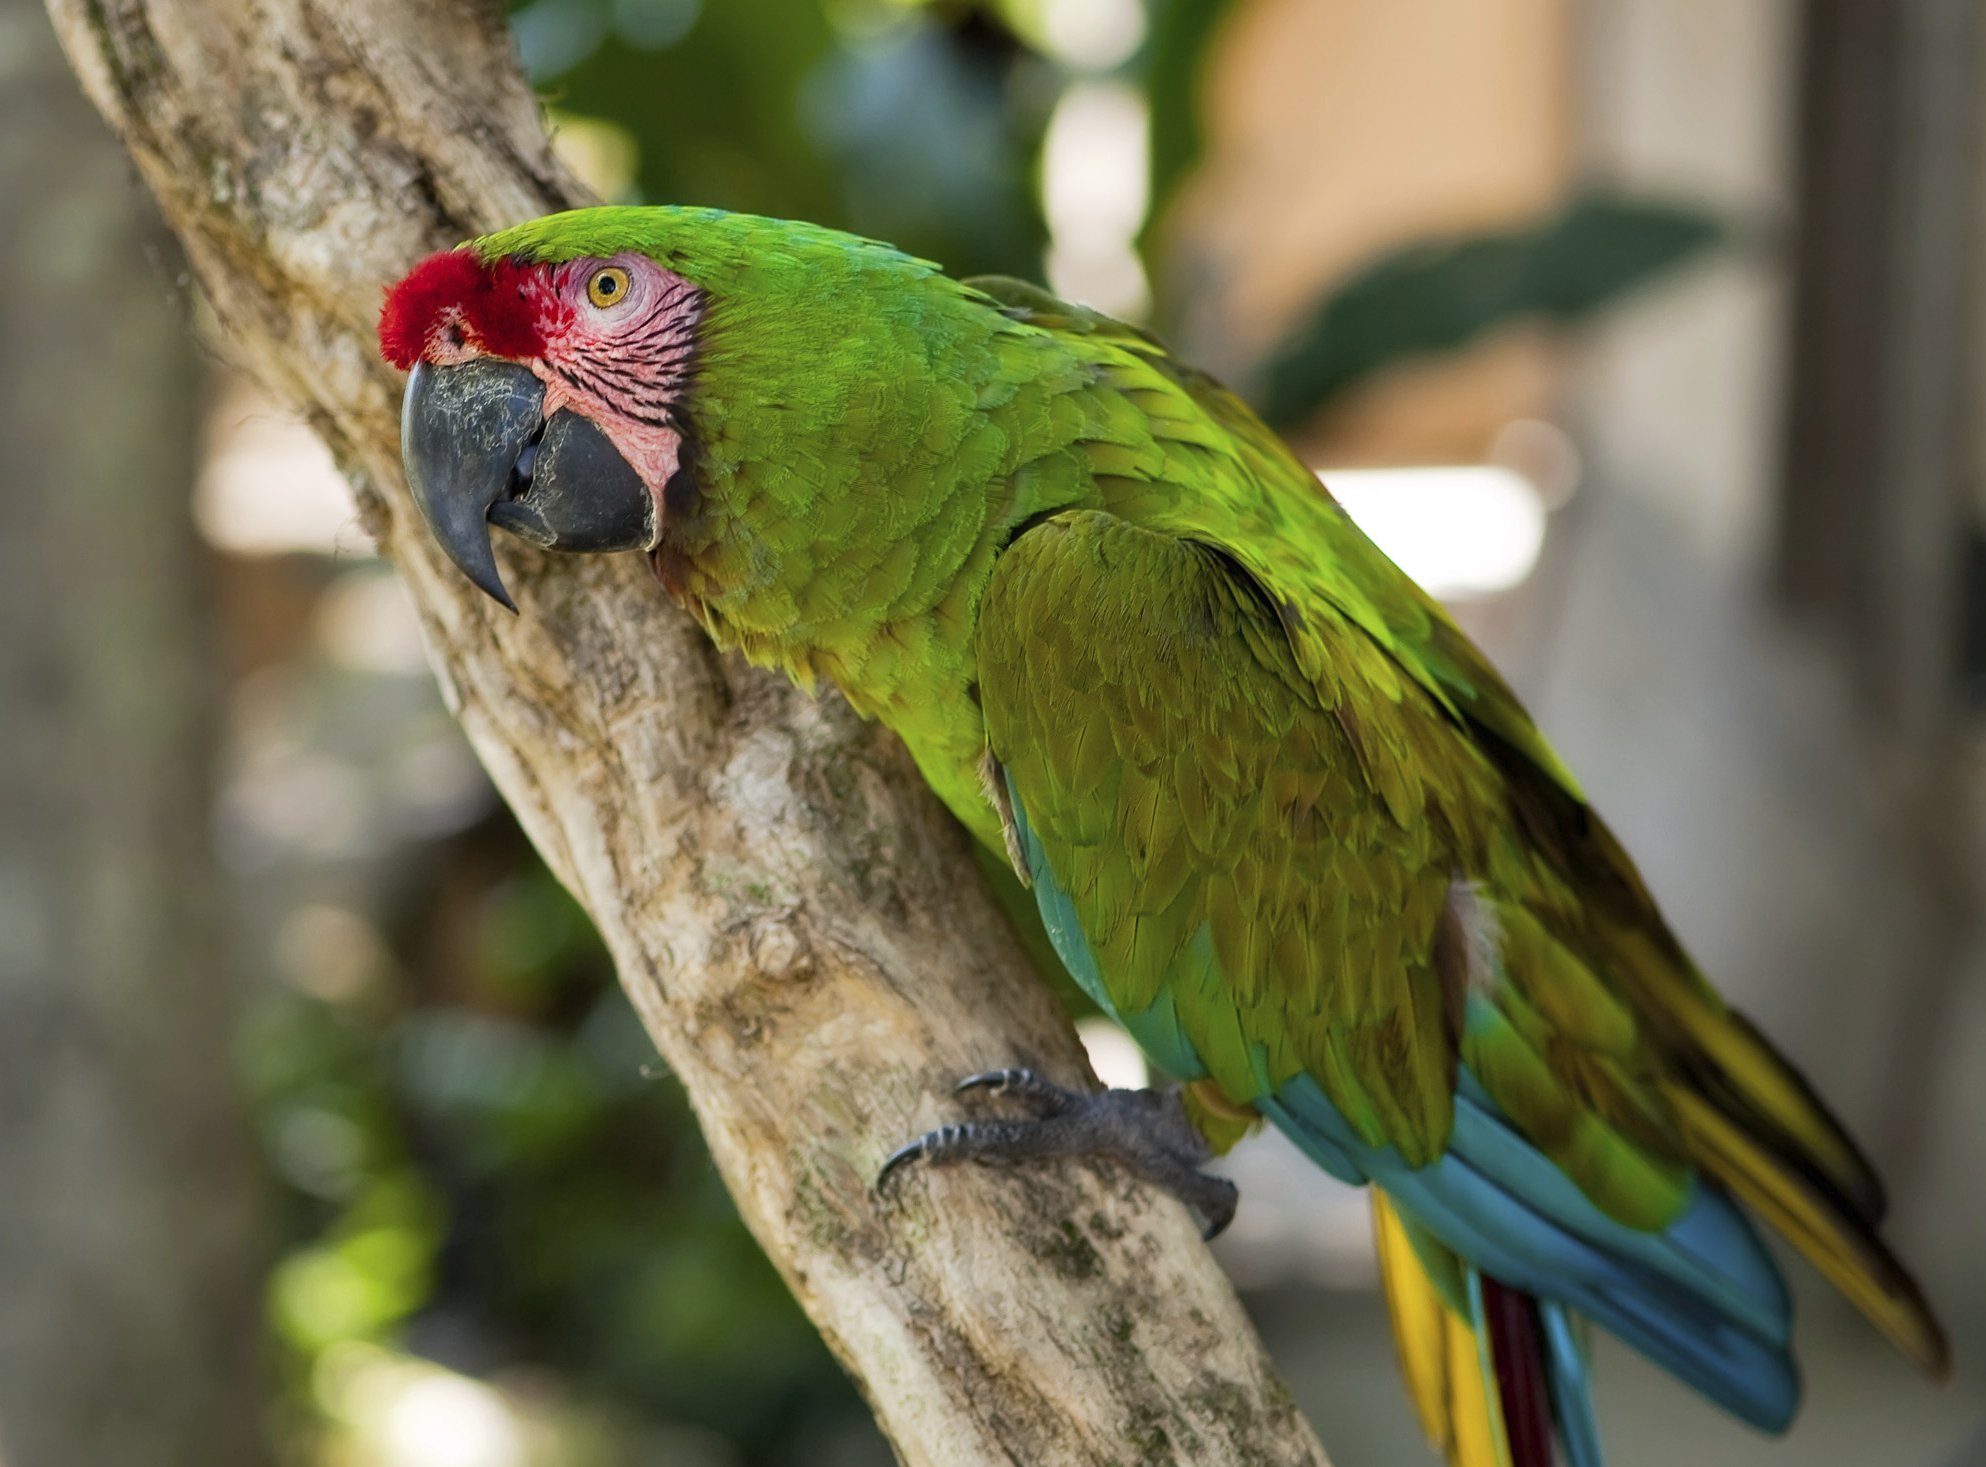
<point>499,308</point>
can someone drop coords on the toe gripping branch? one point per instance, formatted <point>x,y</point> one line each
<point>1147,1131</point>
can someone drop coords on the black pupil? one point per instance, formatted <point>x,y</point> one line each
<point>609,285</point>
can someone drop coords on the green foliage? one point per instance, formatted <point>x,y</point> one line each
<point>707,89</point>
<point>531,932</point>
<point>1440,297</point>
<point>368,1274</point>
<point>919,126</point>
<point>504,1164</point>
<point>1176,49</point>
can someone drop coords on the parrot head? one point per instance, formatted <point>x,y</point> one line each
<point>545,397</point>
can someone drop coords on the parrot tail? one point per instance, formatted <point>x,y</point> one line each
<point>1495,1373</point>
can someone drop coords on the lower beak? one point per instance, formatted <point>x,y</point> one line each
<point>479,451</point>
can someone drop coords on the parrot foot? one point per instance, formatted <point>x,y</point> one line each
<point>1146,1130</point>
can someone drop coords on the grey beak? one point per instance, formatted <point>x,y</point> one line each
<point>479,451</point>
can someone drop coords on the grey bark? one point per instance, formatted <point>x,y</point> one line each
<point>1885,372</point>
<point>129,1289</point>
<point>796,921</point>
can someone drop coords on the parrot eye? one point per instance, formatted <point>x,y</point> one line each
<point>607,286</point>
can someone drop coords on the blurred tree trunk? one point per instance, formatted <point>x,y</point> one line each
<point>797,922</point>
<point>129,1321</point>
<point>1881,461</point>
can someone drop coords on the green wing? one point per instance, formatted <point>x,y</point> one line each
<point>1268,899</point>
<point>1259,902</point>
<point>1270,513</point>
<point>1199,466</point>
<point>1299,827</point>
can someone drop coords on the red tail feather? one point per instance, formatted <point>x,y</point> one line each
<point>1517,1345</point>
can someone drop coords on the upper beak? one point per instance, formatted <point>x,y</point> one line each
<point>479,451</point>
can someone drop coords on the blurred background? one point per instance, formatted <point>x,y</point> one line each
<point>1649,333</point>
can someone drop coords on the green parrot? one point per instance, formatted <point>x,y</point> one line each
<point>1278,817</point>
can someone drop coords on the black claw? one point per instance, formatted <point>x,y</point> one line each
<point>1216,1206</point>
<point>1022,1084</point>
<point>901,1157</point>
<point>948,1143</point>
<point>994,1080</point>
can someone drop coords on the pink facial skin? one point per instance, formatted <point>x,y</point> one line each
<point>623,365</point>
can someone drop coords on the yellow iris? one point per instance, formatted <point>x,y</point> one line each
<point>607,286</point>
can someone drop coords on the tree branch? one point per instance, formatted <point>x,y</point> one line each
<point>796,920</point>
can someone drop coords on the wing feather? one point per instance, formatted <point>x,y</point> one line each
<point>1318,760</point>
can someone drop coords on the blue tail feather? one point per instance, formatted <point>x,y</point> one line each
<point>1710,1250</point>
<point>1692,1299</point>
<point>1572,1395</point>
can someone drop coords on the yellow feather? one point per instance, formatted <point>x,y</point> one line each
<point>1439,1352</point>
<point>1475,1417</point>
<point>1845,1250</point>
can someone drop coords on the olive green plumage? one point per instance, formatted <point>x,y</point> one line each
<point>1298,818</point>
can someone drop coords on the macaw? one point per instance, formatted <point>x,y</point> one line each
<point>1278,816</point>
